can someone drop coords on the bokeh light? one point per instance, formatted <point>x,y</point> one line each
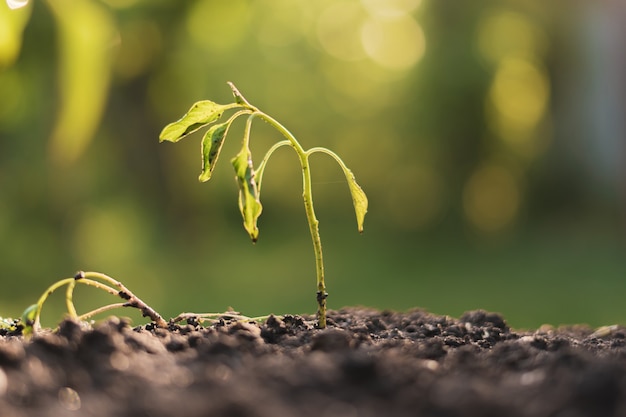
<point>416,197</point>
<point>492,198</point>
<point>14,16</point>
<point>395,43</point>
<point>486,136</point>
<point>518,102</point>
<point>337,30</point>
<point>391,8</point>
<point>504,33</point>
<point>140,44</point>
<point>219,26</point>
<point>519,95</point>
<point>285,23</point>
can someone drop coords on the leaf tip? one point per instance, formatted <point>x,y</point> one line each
<point>163,135</point>
<point>204,176</point>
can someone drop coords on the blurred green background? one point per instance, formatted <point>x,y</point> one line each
<point>489,136</point>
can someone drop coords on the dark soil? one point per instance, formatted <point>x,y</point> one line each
<point>366,363</point>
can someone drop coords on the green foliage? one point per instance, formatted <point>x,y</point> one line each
<point>199,115</point>
<point>249,203</point>
<point>211,146</point>
<point>204,113</point>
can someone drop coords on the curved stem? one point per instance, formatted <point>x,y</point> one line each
<point>331,153</point>
<point>69,294</point>
<point>90,279</point>
<point>92,313</point>
<point>307,195</point>
<point>36,322</point>
<point>261,168</point>
<point>99,285</point>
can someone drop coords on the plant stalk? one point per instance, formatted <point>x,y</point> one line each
<point>307,195</point>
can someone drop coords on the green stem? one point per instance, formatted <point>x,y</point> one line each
<point>330,153</point>
<point>99,310</point>
<point>307,195</point>
<point>69,295</point>
<point>36,322</point>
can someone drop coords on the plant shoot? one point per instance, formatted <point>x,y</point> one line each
<point>249,178</point>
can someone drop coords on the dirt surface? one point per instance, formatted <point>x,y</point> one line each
<point>366,363</point>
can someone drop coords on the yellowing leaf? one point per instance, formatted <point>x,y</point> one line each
<point>249,203</point>
<point>359,199</point>
<point>200,114</point>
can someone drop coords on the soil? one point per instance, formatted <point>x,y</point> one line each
<point>366,363</point>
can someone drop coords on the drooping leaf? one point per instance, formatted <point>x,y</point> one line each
<point>200,114</point>
<point>359,199</point>
<point>212,142</point>
<point>249,203</point>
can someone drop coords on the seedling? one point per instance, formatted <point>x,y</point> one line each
<point>207,113</point>
<point>30,320</point>
<point>29,323</point>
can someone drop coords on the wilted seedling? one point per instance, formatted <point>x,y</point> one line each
<point>30,320</point>
<point>249,178</point>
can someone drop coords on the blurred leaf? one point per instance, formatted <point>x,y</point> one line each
<point>200,114</point>
<point>12,23</point>
<point>249,203</point>
<point>86,38</point>
<point>211,146</point>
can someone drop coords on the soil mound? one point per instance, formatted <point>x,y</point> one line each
<point>366,363</point>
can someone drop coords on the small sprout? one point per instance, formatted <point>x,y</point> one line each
<point>30,320</point>
<point>249,179</point>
